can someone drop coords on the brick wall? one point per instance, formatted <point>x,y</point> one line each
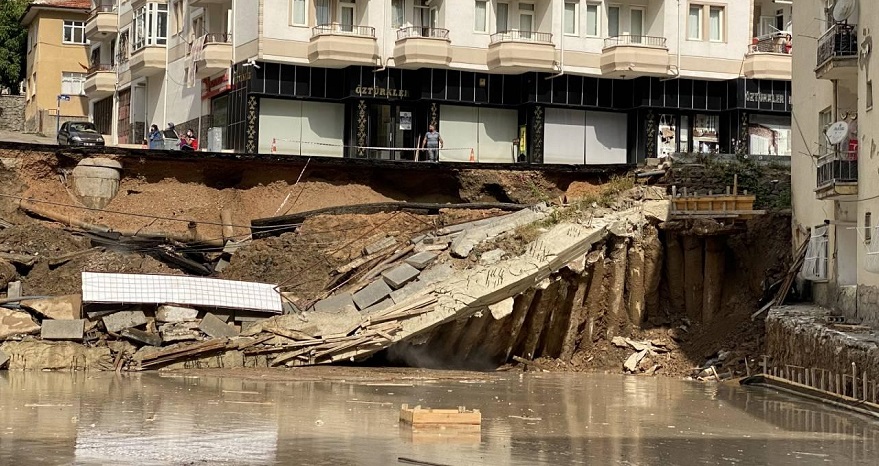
<point>11,113</point>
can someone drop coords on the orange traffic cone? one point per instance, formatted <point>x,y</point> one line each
<point>472,156</point>
<point>274,146</point>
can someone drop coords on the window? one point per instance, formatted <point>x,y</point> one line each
<point>613,21</point>
<point>32,37</point>
<point>815,264</point>
<point>300,7</point>
<point>824,122</point>
<point>592,20</point>
<point>868,227</point>
<point>122,47</point>
<point>694,23</point>
<point>73,83</point>
<point>150,26</point>
<point>526,20</point>
<point>398,17</point>
<point>571,18</point>
<point>502,17</point>
<point>480,14</point>
<point>322,12</point>
<point>74,32</point>
<point>481,10</point>
<point>636,24</point>
<point>178,17</point>
<point>346,15</point>
<point>715,24</point>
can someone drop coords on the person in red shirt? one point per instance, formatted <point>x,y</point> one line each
<point>189,143</point>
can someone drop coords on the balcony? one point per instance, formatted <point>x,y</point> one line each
<point>212,54</point>
<point>147,61</point>
<point>204,3</point>
<point>634,56</point>
<point>102,21</point>
<point>768,58</point>
<point>340,45</point>
<point>838,176</point>
<point>521,51</point>
<point>100,81</point>
<point>417,47</point>
<point>838,53</point>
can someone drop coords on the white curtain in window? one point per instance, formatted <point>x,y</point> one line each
<point>480,14</point>
<point>398,17</point>
<point>72,83</point>
<point>570,18</point>
<point>694,25</point>
<point>299,11</point>
<point>502,17</point>
<point>613,21</point>
<point>591,20</point>
<point>322,11</point>
<point>715,18</point>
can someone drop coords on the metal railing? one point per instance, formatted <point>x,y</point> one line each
<point>217,38</point>
<point>425,32</point>
<point>342,29</point>
<point>96,67</point>
<point>645,41</point>
<point>837,167</point>
<point>853,385</point>
<point>522,36</point>
<point>773,44</point>
<point>839,41</point>
<point>102,7</point>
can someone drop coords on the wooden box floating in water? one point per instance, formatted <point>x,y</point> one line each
<point>419,416</point>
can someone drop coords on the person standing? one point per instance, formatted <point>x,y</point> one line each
<point>155,138</point>
<point>433,142</point>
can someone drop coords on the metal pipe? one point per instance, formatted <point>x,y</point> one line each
<point>561,45</point>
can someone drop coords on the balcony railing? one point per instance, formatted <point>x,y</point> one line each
<point>838,167</point>
<point>840,41</point>
<point>217,38</point>
<point>415,31</point>
<point>522,36</point>
<point>646,41</point>
<point>96,67</point>
<point>102,7</point>
<point>771,44</point>
<point>342,29</point>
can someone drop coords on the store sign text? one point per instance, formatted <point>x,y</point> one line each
<point>760,97</point>
<point>380,92</point>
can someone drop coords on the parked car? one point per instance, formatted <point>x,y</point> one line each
<point>79,133</point>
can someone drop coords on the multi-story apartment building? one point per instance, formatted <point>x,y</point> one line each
<point>834,164</point>
<point>57,58</point>
<point>542,81</point>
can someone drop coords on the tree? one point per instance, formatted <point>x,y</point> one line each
<point>13,43</point>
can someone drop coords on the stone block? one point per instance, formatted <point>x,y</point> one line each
<point>491,257</point>
<point>66,307</point>
<point>216,328</point>
<point>13,289</point>
<point>379,245</point>
<point>417,239</point>
<point>168,313</point>
<point>118,321</point>
<point>421,260</point>
<point>16,323</point>
<point>4,358</point>
<point>335,303</point>
<point>410,289</point>
<point>140,336</point>
<point>371,294</point>
<point>436,274</point>
<point>62,329</point>
<point>379,306</point>
<point>179,331</point>
<point>400,275</point>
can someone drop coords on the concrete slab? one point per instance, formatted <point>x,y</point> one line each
<point>379,245</point>
<point>13,289</point>
<point>465,243</point>
<point>216,328</point>
<point>118,321</point>
<point>491,257</point>
<point>66,307</point>
<point>379,306</point>
<point>4,358</point>
<point>373,293</point>
<point>398,296</point>
<point>421,260</point>
<point>62,329</point>
<point>140,336</point>
<point>417,239</point>
<point>244,316</point>
<point>421,247</point>
<point>400,275</point>
<point>16,323</point>
<point>502,309</point>
<point>179,331</point>
<point>436,274</point>
<point>168,313</point>
<point>335,302</point>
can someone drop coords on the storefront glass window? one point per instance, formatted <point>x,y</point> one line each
<point>769,135</point>
<point>705,138</point>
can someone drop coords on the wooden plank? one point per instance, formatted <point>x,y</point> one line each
<point>418,415</point>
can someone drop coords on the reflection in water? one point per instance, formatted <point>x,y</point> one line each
<point>65,418</point>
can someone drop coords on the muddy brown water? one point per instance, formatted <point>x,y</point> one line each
<point>151,418</point>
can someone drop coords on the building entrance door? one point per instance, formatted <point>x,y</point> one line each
<point>391,127</point>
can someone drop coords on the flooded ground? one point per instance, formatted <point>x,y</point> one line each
<point>196,418</point>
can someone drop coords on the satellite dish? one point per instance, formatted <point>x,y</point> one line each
<point>837,132</point>
<point>843,9</point>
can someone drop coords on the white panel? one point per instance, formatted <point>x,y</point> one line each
<point>280,120</point>
<point>177,289</point>
<point>564,136</point>
<point>459,128</point>
<point>606,138</point>
<point>323,123</point>
<point>497,129</point>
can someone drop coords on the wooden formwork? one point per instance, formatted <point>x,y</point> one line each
<point>419,416</point>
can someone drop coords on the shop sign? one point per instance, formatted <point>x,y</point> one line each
<point>764,98</point>
<point>367,91</point>
<point>216,86</point>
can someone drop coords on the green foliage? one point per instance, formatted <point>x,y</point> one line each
<point>756,179</point>
<point>13,43</point>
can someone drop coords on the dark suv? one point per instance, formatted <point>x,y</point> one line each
<point>79,133</point>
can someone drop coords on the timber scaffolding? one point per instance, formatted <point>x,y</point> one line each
<point>727,206</point>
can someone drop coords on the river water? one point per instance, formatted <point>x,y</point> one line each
<point>152,418</point>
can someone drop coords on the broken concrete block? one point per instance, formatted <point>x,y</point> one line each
<point>501,309</point>
<point>398,296</point>
<point>118,321</point>
<point>417,239</point>
<point>221,265</point>
<point>421,260</point>
<point>436,274</point>
<point>400,275</point>
<point>179,331</point>
<point>66,307</point>
<point>379,306</point>
<point>63,329</point>
<point>465,243</point>
<point>244,316</point>
<point>421,247</point>
<point>491,257</point>
<point>335,302</point>
<point>140,336</point>
<point>168,313</point>
<point>13,289</point>
<point>4,358</point>
<point>16,323</point>
<point>379,245</point>
<point>216,328</point>
<point>371,294</point>
<point>224,314</point>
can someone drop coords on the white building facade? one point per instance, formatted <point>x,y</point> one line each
<point>538,81</point>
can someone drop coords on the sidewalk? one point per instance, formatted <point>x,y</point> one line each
<point>28,138</point>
